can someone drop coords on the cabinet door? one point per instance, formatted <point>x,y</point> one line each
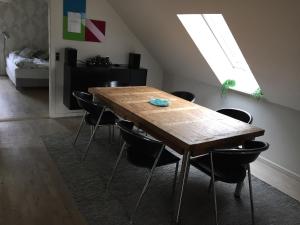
<point>138,77</point>
<point>98,76</point>
<point>120,74</point>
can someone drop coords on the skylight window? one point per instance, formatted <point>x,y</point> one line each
<point>216,43</point>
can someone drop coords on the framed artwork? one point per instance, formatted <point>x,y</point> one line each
<point>77,27</point>
<point>74,20</point>
<point>94,30</point>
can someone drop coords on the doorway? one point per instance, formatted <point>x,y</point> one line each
<point>24,62</point>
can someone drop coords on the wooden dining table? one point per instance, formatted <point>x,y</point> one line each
<point>188,128</point>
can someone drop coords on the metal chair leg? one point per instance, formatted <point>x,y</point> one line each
<point>251,195</point>
<point>175,179</point>
<point>210,185</point>
<point>185,167</point>
<point>91,138</point>
<point>146,184</point>
<point>213,187</point>
<point>79,128</point>
<point>115,167</point>
<point>92,130</point>
<point>238,189</point>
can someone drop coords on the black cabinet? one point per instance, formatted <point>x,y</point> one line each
<point>82,77</point>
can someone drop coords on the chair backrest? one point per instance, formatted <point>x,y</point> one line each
<point>184,95</point>
<point>138,143</point>
<point>85,101</point>
<point>114,83</point>
<point>240,156</point>
<point>237,114</point>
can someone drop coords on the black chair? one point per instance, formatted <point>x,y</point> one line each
<point>237,114</point>
<point>113,83</point>
<point>95,115</point>
<point>184,95</point>
<point>143,152</point>
<point>230,166</point>
<point>243,116</point>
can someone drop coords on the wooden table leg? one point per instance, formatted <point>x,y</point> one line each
<point>184,172</point>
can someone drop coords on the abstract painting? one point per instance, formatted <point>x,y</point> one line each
<point>94,30</point>
<point>77,27</point>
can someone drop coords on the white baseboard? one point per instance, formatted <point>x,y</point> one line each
<point>281,178</point>
<point>67,114</point>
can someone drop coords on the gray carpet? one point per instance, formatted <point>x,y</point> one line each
<point>87,180</point>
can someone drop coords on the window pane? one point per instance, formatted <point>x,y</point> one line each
<point>216,43</point>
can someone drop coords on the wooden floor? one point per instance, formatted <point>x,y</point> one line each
<point>24,103</point>
<point>32,191</point>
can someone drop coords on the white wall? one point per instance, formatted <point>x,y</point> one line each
<point>119,42</point>
<point>282,124</point>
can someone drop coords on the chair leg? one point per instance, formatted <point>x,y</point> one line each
<point>183,177</point>
<point>92,130</point>
<point>175,179</point>
<point>79,128</point>
<point>210,185</point>
<point>251,195</point>
<point>146,184</point>
<point>238,189</point>
<point>115,167</point>
<point>214,188</point>
<point>92,136</point>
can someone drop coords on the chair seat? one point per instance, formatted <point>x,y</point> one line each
<point>224,172</point>
<point>140,160</point>
<point>184,95</point>
<point>107,118</point>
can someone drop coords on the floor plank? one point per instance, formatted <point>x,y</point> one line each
<point>31,188</point>
<point>24,103</point>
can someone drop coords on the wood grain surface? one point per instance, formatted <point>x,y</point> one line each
<point>32,190</point>
<point>182,125</point>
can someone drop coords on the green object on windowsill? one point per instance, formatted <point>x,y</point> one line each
<point>258,94</point>
<point>227,85</point>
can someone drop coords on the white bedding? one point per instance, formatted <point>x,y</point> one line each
<point>26,63</point>
<point>32,69</point>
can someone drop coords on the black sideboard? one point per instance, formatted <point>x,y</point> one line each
<point>82,77</point>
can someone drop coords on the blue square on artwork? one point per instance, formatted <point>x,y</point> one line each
<point>74,6</point>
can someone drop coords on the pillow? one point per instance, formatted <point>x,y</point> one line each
<point>27,53</point>
<point>25,63</point>
<point>40,54</point>
<point>17,52</point>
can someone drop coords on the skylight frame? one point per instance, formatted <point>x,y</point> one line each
<point>218,46</point>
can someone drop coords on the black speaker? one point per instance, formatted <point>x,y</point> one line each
<point>71,56</point>
<point>134,60</point>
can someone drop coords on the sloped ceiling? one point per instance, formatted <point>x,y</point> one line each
<point>268,33</point>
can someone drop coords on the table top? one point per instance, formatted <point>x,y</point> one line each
<point>183,126</point>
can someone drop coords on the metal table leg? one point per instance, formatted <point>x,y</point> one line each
<point>185,167</point>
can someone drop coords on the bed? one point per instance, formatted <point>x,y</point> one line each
<point>26,71</point>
